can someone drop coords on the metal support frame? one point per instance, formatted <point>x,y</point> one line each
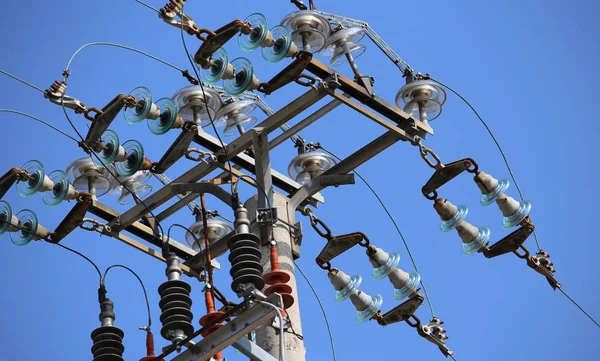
<point>317,184</point>
<point>140,230</point>
<point>246,162</point>
<point>199,188</point>
<point>177,149</point>
<point>252,350</point>
<point>258,315</point>
<point>7,180</point>
<point>263,179</point>
<point>295,129</point>
<point>358,92</point>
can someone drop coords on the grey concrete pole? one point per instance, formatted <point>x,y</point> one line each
<point>268,337</point>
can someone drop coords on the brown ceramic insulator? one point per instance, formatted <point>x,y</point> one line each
<point>278,281</point>
<point>285,291</point>
<point>150,355</point>
<point>146,164</point>
<point>210,317</point>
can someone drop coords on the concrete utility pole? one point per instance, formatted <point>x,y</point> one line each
<point>268,337</point>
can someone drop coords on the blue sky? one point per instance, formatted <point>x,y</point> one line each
<point>530,69</point>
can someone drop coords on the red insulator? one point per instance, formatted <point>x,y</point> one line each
<point>210,317</point>
<point>150,355</point>
<point>278,281</point>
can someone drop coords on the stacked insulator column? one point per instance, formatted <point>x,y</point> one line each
<point>211,316</point>
<point>244,255</point>
<point>175,304</point>
<point>108,339</point>
<point>278,280</point>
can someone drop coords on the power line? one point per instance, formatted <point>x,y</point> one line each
<point>39,120</point>
<point>81,255</point>
<point>22,81</point>
<point>141,283</point>
<point>512,176</point>
<point>397,229</point>
<point>103,43</point>
<point>322,309</point>
<point>146,5</point>
<point>578,306</point>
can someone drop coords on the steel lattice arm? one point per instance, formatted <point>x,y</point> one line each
<point>263,106</point>
<point>387,50</point>
<point>193,206</point>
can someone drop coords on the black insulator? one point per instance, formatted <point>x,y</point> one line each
<point>108,344</point>
<point>175,304</point>
<point>245,261</point>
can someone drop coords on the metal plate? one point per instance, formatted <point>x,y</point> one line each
<point>337,246</point>
<point>7,180</point>
<point>510,243</point>
<point>71,221</point>
<point>402,312</point>
<point>445,175</point>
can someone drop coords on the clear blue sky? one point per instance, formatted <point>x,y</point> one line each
<point>529,67</point>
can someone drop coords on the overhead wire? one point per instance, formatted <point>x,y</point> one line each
<point>578,306</point>
<point>104,43</point>
<point>22,81</point>
<point>141,283</point>
<point>39,120</point>
<point>397,229</point>
<point>22,229</point>
<point>146,5</point>
<point>83,256</point>
<point>322,309</point>
<point>510,171</point>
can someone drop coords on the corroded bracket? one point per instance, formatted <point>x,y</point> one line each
<point>289,74</point>
<point>177,149</point>
<point>400,313</point>
<point>103,119</point>
<point>215,40</point>
<point>337,245</point>
<point>8,179</point>
<point>514,242</point>
<point>73,218</point>
<point>510,243</point>
<point>446,174</point>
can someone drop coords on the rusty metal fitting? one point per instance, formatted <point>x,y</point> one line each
<point>425,152</point>
<point>87,111</point>
<point>56,94</point>
<point>90,224</point>
<point>174,8</point>
<point>202,155</point>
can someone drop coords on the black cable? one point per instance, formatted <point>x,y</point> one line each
<point>39,120</point>
<point>200,82</point>
<point>235,184</point>
<point>578,306</point>
<point>512,176</point>
<point>322,309</point>
<point>395,225</point>
<point>141,283</point>
<point>22,81</point>
<point>83,256</point>
<point>196,240</point>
